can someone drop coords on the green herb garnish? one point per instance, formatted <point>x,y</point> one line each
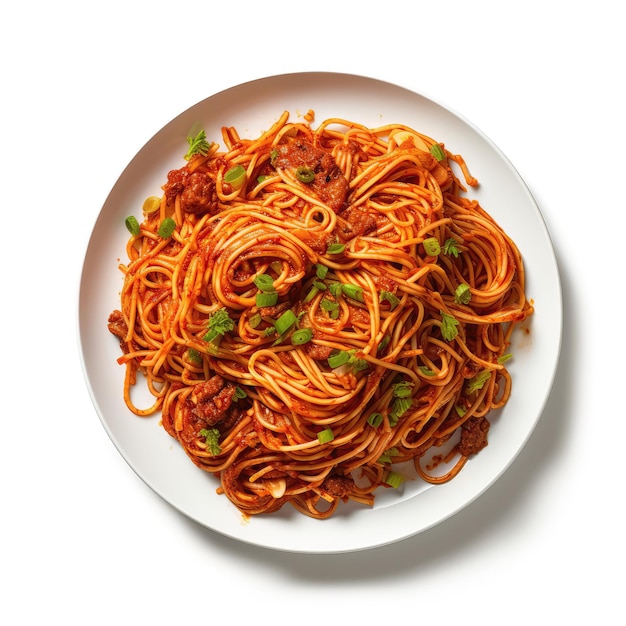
<point>462,294</point>
<point>197,145</point>
<point>211,439</point>
<point>449,325</point>
<point>133,225</point>
<point>167,227</point>
<point>478,381</point>
<point>451,247</point>
<point>219,324</point>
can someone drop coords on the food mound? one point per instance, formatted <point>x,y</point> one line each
<point>315,308</point>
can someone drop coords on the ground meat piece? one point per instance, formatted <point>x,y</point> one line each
<point>199,195</point>
<point>117,325</point>
<point>212,399</point>
<point>329,184</point>
<point>174,185</point>
<point>355,222</point>
<point>338,486</point>
<point>273,311</point>
<point>196,190</point>
<point>316,352</point>
<point>473,436</point>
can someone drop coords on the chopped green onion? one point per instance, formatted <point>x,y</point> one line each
<point>321,271</point>
<point>262,178</point>
<point>335,248</point>
<point>133,225</point>
<point>151,204</point>
<point>167,227</point>
<point>335,290</point>
<point>301,336</point>
<point>236,176</point>
<point>384,342</point>
<point>312,293</point>
<point>437,151</point>
<point>239,394</point>
<point>319,285</point>
<point>462,294</point>
<point>305,174</point>
<point>194,356</point>
<point>393,300</point>
<point>285,322</point>
<point>325,436</point>
<point>426,371</point>
<point>338,358</point>
<point>399,408</point>
<point>375,420</point>
<point>332,308</point>
<point>352,291</point>
<point>402,389</point>
<point>449,325</point>
<point>266,298</point>
<point>273,156</point>
<point>255,320</point>
<point>264,282</point>
<point>358,365</point>
<point>504,358</point>
<point>387,455</point>
<point>460,410</point>
<point>431,246</point>
<point>393,479</point>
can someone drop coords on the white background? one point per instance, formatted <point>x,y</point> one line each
<point>84,86</point>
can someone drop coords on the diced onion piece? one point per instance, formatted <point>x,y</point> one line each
<point>401,136</point>
<point>276,487</point>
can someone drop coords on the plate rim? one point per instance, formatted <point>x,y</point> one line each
<point>348,547</point>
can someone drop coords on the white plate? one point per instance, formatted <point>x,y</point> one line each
<point>251,108</point>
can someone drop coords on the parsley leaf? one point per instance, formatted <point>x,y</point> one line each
<point>449,325</point>
<point>211,438</point>
<point>478,381</point>
<point>219,324</point>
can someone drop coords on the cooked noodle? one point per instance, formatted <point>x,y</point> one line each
<point>381,328</point>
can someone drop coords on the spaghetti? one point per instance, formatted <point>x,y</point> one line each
<point>313,307</point>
